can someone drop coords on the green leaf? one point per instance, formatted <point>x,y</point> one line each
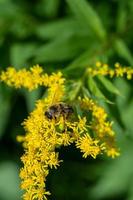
<point>58,28</point>
<point>126,116</point>
<point>86,92</point>
<point>20,53</point>
<point>72,90</point>
<point>87,16</point>
<point>116,176</point>
<point>90,56</point>
<point>123,50</point>
<point>108,85</point>
<point>48,8</point>
<point>31,97</point>
<point>130,192</point>
<point>125,105</point>
<point>8,9</point>
<point>93,88</point>
<point>61,49</point>
<point>121,16</point>
<point>125,89</point>
<point>5,107</point>
<point>9,181</point>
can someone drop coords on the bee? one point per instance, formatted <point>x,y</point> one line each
<point>57,110</point>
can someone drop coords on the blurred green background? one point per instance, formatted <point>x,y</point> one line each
<point>68,35</point>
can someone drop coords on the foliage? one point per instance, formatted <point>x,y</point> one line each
<point>70,36</point>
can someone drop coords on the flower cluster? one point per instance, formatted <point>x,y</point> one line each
<point>101,128</point>
<point>45,136</point>
<point>118,71</point>
<point>29,79</point>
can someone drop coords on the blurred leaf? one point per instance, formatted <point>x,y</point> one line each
<point>90,56</point>
<point>116,175</point>
<point>15,20</point>
<point>23,27</point>
<point>58,28</point>
<point>125,105</point>
<point>31,98</point>
<point>9,181</point>
<point>72,90</point>
<point>130,4</point>
<point>87,16</point>
<point>108,85</point>
<point>8,9</point>
<point>48,8</point>
<point>61,49</point>
<point>86,92</point>
<point>95,90</point>
<point>127,115</point>
<point>130,191</point>
<point>20,53</point>
<point>1,1</point>
<point>121,16</point>
<point>123,86</point>
<point>123,50</point>
<point>1,40</point>
<point>5,107</point>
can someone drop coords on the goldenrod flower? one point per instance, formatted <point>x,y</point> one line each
<point>112,152</point>
<point>100,126</point>
<point>30,79</point>
<point>44,136</point>
<point>88,146</point>
<point>118,70</point>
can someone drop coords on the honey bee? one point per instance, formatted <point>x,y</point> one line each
<point>57,110</point>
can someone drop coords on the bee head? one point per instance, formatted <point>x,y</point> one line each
<point>48,115</point>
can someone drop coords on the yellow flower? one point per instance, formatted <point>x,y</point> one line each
<point>30,79</point>
<point>99,124</point>
<point>113,152</point>
<point>88,146</point>
<point>118,71</point>
<point>98,64</point>
<point>53,160</point>
<point>65,139</point>
<point>44,136</point>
